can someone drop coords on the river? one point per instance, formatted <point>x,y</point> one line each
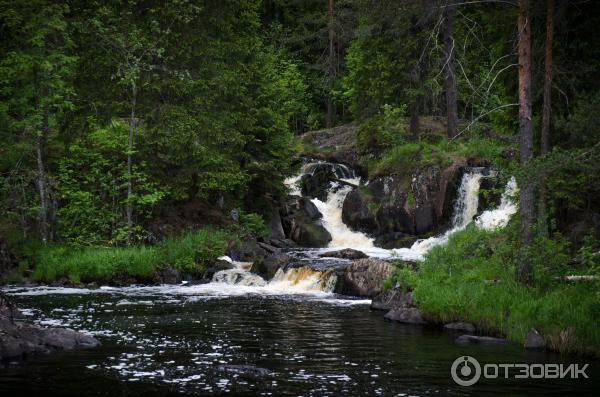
<point>209,339</point>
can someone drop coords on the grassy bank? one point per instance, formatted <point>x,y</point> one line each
<point>472,278</point>
<point>190,254</point>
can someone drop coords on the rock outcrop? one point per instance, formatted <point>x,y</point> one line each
<point>396,208</point>
<point>19,339</point>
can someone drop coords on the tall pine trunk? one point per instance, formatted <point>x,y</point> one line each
<point>40,143</point>
<point>547,109</point>
<point>132,125</point>
<point>331,66</point>
<point>526,197</point>
<point>451,94</point>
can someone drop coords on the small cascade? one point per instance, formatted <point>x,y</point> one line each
<point>331,209</point>
<point>303,280</point>
<point>499,217</point>
<point>465,210</point>
<point>239,275</point>
<point>300,280</point>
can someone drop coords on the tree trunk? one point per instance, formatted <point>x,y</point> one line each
<point>132,125</point>
<point>40,142</point>
<point>331,66</point>
<point>547,109</point>
<point>451,95</point>
<point>526,196</point>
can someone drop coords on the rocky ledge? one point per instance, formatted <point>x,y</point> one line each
<point>20,339</point>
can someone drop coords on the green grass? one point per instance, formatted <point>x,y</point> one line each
<point>472,278</point>
<point>190,254</point>
<point>409,157</point>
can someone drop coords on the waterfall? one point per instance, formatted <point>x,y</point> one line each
<point>465,210</point>
<point>499,217</point>
<point>342,236</point>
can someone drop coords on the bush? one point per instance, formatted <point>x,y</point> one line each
<point>254,224</point>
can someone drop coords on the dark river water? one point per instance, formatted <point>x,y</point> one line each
<point>213,340</point>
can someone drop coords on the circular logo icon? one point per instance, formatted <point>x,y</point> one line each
<point>465,371</point>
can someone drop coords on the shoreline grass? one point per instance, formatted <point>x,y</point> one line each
<point>472,278</point>
<point>190,254</point>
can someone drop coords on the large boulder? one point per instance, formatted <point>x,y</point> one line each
<point>364,277</point>
<point>301,223</point>
<point>20,339</point>
<point>267,267</point>
<point>356,212</point>
<point>406,315</point>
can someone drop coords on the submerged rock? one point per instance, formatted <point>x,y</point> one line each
<point>535,341</point>
<point>479,340</point>
<point>460,326</point>
<point>364,277</point>
<point>347,253</point>
<point>406,315</point>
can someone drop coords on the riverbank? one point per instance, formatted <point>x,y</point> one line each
<point>473,278</point>
<point>189,255</point>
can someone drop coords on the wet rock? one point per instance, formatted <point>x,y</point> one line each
<point>535,341</point>
<point>301,223</point>
<point>460,326</point>
<point>274,225</point>
<point>169,275</point>
<point>479,340</point>
<point>267,267</point>
<point>283,243</point>
<point>317,183</point>
<point>246,250</point>
<point>239,277</point>
<point>391,299</point>
<point>20,339</point>
<point>363,277</point>
<point>395,240</point>
<point>406,315</point>
<point>347,253</point>
<point>356,212</point>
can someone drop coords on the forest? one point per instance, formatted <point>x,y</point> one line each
<point>144,135</point>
